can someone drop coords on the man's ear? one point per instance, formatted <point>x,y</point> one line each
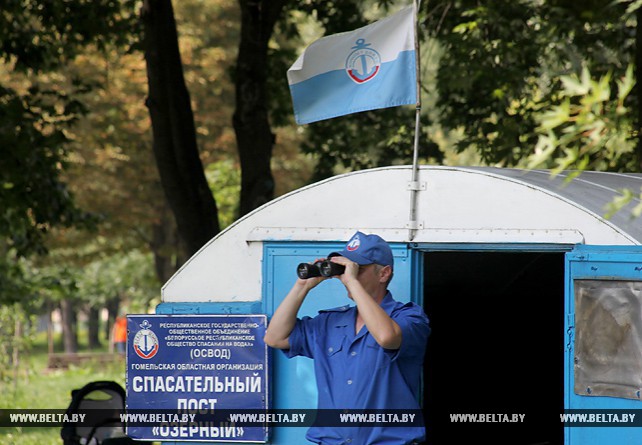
<point>384,274</point>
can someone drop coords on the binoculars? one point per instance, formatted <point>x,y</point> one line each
<point>324,268</point>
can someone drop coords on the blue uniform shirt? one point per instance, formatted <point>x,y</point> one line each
<point>354,372</point>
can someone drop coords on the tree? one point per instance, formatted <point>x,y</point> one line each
<point>588,127</point>
<point>502,65</point>
<point>38,36</point>
<point>126,278</point>
<point>177,157</point>
<point>253,132</point>
<point>110,162</point>
<point>259,96</point>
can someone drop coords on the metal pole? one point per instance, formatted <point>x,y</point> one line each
<point>415,186</point>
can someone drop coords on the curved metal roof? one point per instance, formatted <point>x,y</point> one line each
<point>591,190</point>
<point>456,206</point>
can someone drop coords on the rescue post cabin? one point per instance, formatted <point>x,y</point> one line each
<point>534,297</point>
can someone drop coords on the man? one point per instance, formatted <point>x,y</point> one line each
<point>120,334</point>
<point>365,357</point>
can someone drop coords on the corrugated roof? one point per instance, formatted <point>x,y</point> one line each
<point>591,190</point>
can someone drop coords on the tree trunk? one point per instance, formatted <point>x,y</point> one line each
<point>93,328</point>
<point>166,246</point>
<point>17,339</point>
<point>50,333</point>
<point>175,149</point>
<point>69,326</point>
<point>254,137</point>
<point>113,306</point>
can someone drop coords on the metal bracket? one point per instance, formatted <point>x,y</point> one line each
<point>417,186</point>
<point>414,225</point>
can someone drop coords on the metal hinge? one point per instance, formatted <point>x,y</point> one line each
<point>570,320</point>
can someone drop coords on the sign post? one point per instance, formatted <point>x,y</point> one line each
<point>182,370</point>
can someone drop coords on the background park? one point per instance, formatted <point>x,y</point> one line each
<point>132,132</point>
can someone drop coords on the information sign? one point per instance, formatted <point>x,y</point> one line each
<point>182,370</point>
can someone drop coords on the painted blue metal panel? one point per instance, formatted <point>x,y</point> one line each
<point>597,263</point>
<point>294,383</point>
<point>218,308</point>
<point>178,341</point>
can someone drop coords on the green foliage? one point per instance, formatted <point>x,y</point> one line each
<point>42,34</point>
<point>588,127</point>
<point>224,179</point>
<point>365,140</point>
<point>32,196</point>
<point>16,337</point>
<point>13,287</point>
<point>209,53</point>
<point>625,197</point>
<point>127,276</point>
<point>56,283</point>
<point>541,83</point>
<point>488,62</point>
<point>37,36</point>
<point>502,62</point>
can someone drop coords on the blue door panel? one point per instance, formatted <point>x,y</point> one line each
<point>602,263</point>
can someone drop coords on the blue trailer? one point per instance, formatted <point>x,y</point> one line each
<point>534,296</point>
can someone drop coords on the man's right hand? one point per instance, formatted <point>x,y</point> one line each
<point>284,318</point>
<point>310,283</point>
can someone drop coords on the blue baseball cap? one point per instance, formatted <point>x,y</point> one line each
<point>367,249</point>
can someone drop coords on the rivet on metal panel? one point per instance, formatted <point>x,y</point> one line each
<point>577,360</point>
<point>638,268</point>
<point>593,268</point>
<point>589,390</point>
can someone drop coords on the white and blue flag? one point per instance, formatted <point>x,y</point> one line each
<point>365,69</point>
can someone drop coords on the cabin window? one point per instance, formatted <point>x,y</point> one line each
<point>608,338</point>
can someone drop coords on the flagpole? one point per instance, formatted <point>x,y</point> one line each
<point>414,185</point>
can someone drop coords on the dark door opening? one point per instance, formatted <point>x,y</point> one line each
<point>496,347</point>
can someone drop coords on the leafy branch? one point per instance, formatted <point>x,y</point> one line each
<point>588,127</point>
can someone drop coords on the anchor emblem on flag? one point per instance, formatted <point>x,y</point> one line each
<point>363,63</point>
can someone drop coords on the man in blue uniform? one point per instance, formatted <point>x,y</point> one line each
<point>365,357</point>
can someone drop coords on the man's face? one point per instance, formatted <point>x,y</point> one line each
<point>370,277</point>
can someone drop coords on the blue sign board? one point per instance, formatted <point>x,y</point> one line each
<point>182,368</point>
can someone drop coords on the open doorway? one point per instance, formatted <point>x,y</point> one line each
<point>496,347</point>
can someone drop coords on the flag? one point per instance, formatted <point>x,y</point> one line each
<point>365,69</point>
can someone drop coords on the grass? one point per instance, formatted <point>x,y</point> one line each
<point>35,387</point>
